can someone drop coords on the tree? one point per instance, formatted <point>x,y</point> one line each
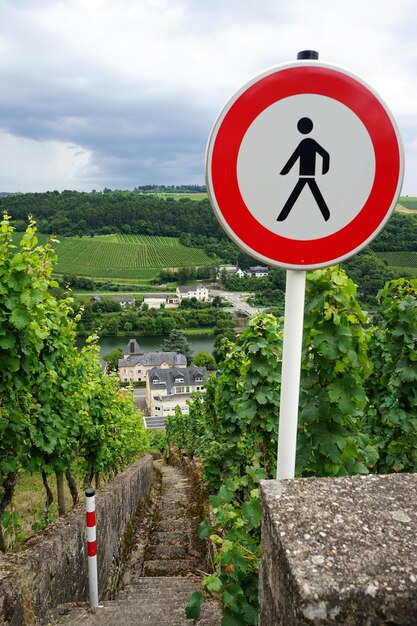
<point>177,342</point>
<point>217,302</point>
<point>369,273</point>
<point>204,359</point>
<point>224,335</point>
<point>112,359</point>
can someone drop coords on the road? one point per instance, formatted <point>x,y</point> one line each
<point>236,299</point>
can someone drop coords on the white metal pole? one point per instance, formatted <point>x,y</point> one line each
<point>91,547</point>
<point>291,370</point>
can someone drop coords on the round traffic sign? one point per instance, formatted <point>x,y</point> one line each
<point>304,165</point>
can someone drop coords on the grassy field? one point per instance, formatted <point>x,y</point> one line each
<point>137,257</point>
<point>407,203</point>
<point>179,196</point>
<point>27,515</point>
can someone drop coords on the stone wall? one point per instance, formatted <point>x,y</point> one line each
<point>339,551</point>
<point>51,568</point>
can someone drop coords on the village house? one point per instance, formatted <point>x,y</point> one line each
<point>258,271</point>
<point>136,363</point>
<point>168,388</point>
<point>200,292</point>
<point>155,300</point>
<point>125,301</point>
<point>229,270</point>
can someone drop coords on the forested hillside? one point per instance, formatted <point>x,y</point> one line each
<point>79,213</point>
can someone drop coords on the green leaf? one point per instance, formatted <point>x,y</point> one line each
<point>20,318</point>
<point>234,557</point>
<point>192,610</point>
<point>213,583</point>
<point>251,613</point>
<point>230,618</point>
<point>252,512</point>
<point>204,529</point>
<point>7,342</point>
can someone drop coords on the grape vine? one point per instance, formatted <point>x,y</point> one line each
<point>56,405</point>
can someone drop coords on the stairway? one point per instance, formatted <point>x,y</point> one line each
<point>161,583</point>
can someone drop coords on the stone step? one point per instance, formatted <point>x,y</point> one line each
<point>173,511</point>
<point>170,538</point>
<point>160,615</point>
<point>177,524</point>
<point>159,586</point>
<point>180,500</point>
<point>177,567</point>
<point>162,551</point>
<point>174,487</point>
<point>170,593</point>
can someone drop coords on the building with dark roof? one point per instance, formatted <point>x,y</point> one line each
<point>135,364</point>
<point>168,388</point>
<point>132,349</point>
<point>258,271</point>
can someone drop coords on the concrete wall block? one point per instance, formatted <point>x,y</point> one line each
<point>339,551</point>
<point>51,568</point>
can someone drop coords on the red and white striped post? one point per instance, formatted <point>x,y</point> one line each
<point>91,547</point>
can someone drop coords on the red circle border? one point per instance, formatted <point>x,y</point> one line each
<point>224,144</point>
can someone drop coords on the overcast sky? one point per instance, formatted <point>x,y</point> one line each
<point>121,93</point>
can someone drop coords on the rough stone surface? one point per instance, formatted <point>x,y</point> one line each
<point>339,551</point>
<point>51,568</point>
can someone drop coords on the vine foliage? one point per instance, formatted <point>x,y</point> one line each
<point>392,387</point>
<point>56,405</point>
<point>357,415</point>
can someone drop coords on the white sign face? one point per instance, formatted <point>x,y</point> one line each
<point>270,142</point>
<point>304,165</point>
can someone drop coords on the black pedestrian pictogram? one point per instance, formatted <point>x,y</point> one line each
<point>306,151</point>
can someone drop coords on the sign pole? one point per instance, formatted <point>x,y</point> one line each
<point>291,358</point>
<point>291,370</point>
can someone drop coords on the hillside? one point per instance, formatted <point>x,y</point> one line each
<point>73,213</point>
<point>123,256</point>
<point>99,225</point>
<point>407,204</point>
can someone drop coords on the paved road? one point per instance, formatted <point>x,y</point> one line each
<point>236,299</point>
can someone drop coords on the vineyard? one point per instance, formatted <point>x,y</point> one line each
<point>123,256</point>
<point>405,260</point>
<point>399,259</point>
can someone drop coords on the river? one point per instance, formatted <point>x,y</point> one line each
<point>197,343</point>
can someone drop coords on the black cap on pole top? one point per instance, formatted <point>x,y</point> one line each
<point>89,493</point>
<point>307,54</point>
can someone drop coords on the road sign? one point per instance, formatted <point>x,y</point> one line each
<point>304,165</point>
